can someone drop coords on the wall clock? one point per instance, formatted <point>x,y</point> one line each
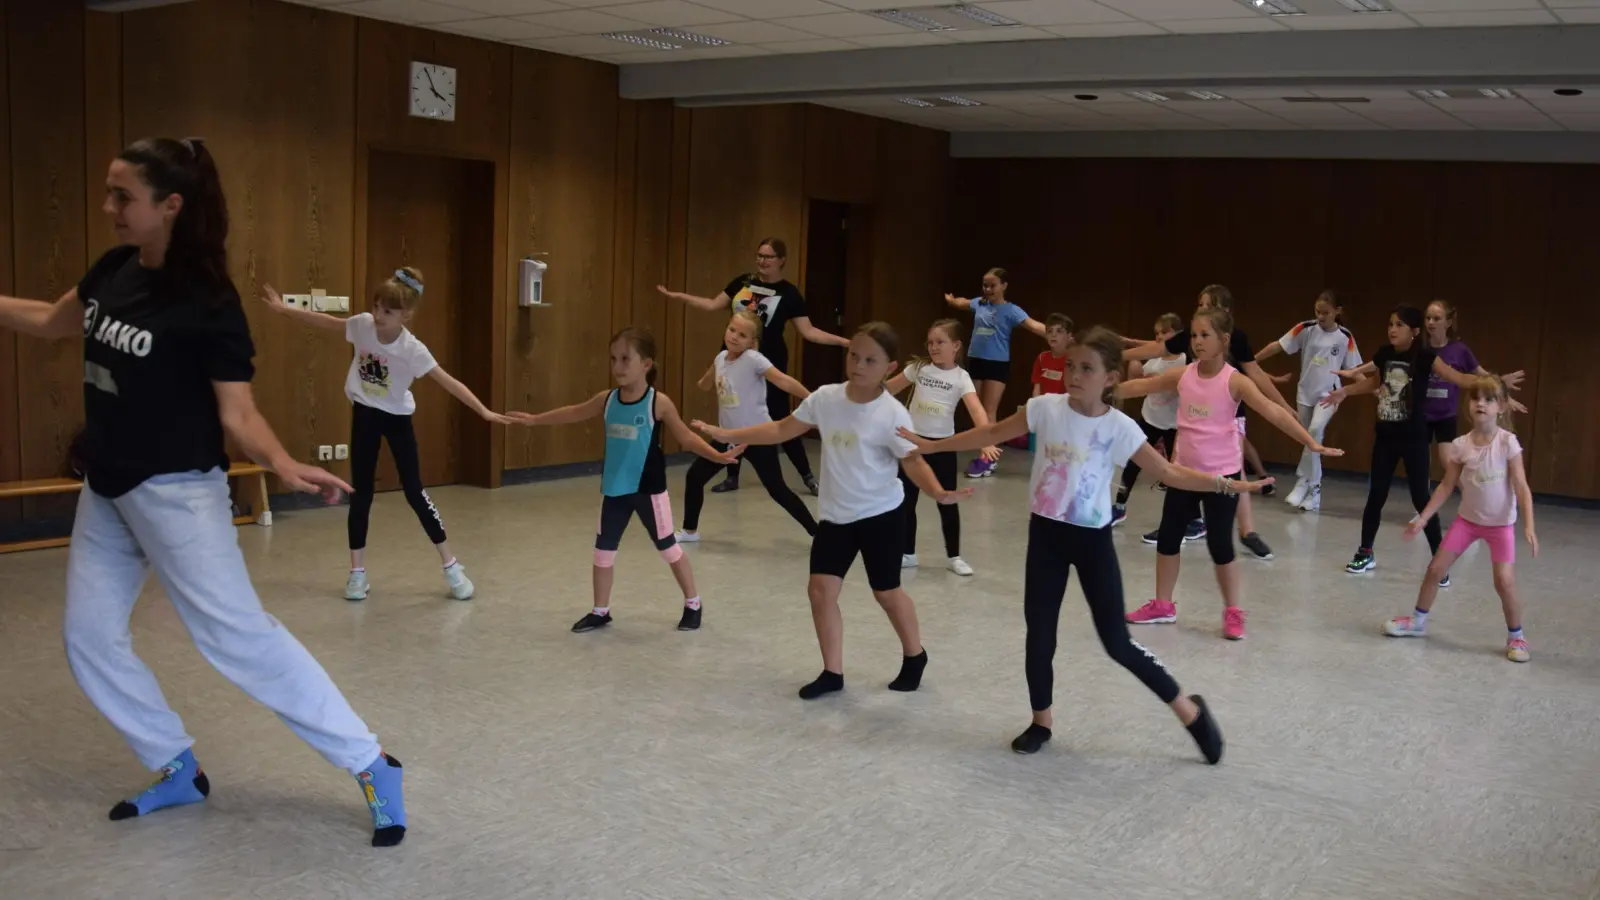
<point>433,92</point>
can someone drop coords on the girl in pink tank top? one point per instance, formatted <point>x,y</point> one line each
<point>1209,391</point>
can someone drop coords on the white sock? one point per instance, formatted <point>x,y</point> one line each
<point>602,610</point>
<point>692,602</point>
<point>355,569</point>
<point>452,563</point>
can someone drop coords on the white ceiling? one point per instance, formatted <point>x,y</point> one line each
<point>768,27</point>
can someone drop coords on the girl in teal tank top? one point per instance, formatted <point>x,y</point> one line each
<point>633,481</point>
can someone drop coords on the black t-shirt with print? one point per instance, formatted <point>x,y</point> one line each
<point>151,350</point>
<point>776,303</point>
<point>1239,352</point>
<point>1402,390</point>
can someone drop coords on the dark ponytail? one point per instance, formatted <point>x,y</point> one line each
<point>197,252</point>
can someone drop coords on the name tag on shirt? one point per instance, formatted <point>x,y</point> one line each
<point>929,408</point>
<point>982,331</point>
<point>1319,360</point>
<point>843,440</point>
<point>1439,393</point>
<point>1050,374</point>
<point>1196,411</point>
<point>624,432</point>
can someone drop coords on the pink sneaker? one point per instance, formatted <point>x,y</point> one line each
<point>1156,612</point>
<point>1233,623</point>
<point>1517,649</point>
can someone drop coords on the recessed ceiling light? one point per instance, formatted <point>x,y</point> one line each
<point>1274,7</point>
<point>641,40</point>
<point>690,37</point>
<point>1496,93</point>
<point>958,100</point>
<point>1205,95</point>
<point>1431,95</point>
<point>908,19</point>
<point>914,101</point>
<point>982,16</point>
<point>1568,92</point>
<point>1149,96</point>
<point>1365,6</point>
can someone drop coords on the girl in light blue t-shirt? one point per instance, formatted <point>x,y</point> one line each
<point>989,354</point>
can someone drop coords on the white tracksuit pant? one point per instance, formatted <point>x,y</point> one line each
<point>1315,419</point>
<point>182,527</point>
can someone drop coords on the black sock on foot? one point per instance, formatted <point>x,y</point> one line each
<point>910,673</point>
<point>826,683</point>
<point>1205,732</point>
<point>1029,741</point>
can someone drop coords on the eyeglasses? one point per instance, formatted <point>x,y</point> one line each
<point>765,256</point>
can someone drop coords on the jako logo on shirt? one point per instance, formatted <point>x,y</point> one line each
<point>116,335</point>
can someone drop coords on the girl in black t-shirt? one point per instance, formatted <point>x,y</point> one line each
<point>167,369</point>
<point>778,302</point>
<point>1401,382</point>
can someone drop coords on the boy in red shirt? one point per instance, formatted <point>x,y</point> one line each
<point>1051,365</point>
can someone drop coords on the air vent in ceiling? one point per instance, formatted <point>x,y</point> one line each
<point>946,17</point>
<point>945,100</point>
<point>1326,99</point>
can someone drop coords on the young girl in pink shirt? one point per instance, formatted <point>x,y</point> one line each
<point>1487,463</point>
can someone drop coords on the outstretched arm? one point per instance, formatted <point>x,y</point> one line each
<point>1144,387</point>
<point>709,304</point>
<point>704,383</point>
<point>1186,479</point>
<point>1453,375</point>
<point>1262,380</point>
<point>1269,351</point>
<point>1034,325</point>
<point>787,383</point>
<point>1009,428</point>
<point>565,415</point>
<point>958,302</point>
<point>667,412</point>
<point>816,335</point>
<point>765,433</point>
<point>274,302</point>
<point>61,319</point>
<point>1367,385</point>
<point>236,406</point>
<point>921,475</point>
<point>465,395</point>
<point>1246,390</point>
<point>1141,350</point>
<point>980,419</point>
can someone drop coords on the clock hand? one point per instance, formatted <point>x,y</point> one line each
<point>430,84</point>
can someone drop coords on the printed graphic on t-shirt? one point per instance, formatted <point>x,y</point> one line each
<point>842,440</point>
<point>763,301</point>
<point>1052,500</point>
<point>1394,394</point>
<point>727,397</point>
<point>374,372</point>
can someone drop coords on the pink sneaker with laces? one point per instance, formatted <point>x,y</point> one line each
<point>1517,649</point>
<point>1233,623</point>
<point>1156,612</point>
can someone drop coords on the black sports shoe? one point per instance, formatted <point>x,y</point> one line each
<point>590,622</point>
<point>1205,732</point>
<point>1364,561</point>
<point>1151,537</point>
<point>1268,490</point>
<point>690,620</point>
<point>811,484</point>
<point>728,484</point>
<point>1031,740</point>
<point>1256,545</point>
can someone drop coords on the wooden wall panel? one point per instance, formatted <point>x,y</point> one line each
<point>910,228</point>
<point>842,155</point>
<point>563,209</point>
<point>102,108</point>
<point>746,173</point>
<point>10,431</point>
<point>1563,449</point>
<point>47,230</point>
<point>283,137</point>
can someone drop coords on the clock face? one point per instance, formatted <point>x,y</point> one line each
<point>433,92</point>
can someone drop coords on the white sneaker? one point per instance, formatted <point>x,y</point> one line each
<point>959,566</point>
<point>1312,500</point>
<point>687,537</point>
<point>460,585</point>
<point>357,587</point>
<point>908,560</point>
<point>1298,494</point>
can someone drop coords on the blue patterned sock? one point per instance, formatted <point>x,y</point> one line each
<point>1514,633</point>
<point>181,783</point>
<point>381,782</point>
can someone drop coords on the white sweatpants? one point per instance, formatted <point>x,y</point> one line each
<point>1315,419</point>
<point>182,527</point>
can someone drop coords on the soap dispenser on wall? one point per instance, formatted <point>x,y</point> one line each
<point>530,282</point>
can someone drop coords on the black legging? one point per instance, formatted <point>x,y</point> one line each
<point>1164,439</point>
<point>1386,453</point>
<point>1053,547</point>
<point>368,427</point>
<point>944,469</point>
<point>765,460</point>
<point>1182,507</point>
<point>778,409</point>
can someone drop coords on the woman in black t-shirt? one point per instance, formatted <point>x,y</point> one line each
<point>167,369</point>
<point>1400,380</point>
<point>778,302</point>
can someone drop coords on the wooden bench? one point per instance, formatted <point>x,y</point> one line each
<point>252,497</point>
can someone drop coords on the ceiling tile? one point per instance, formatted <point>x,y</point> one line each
<point>1162,10</point>
<point>504,7</point>
<point>1436,6</point>
<point>584,21</point>
<point>588,45</point>
<point>502,29</point>
<point>1129,28</point>
<point>417,12</point>
<point>844,24</point>
<point>811,45</point>
<point>909,39</point>
<point>1222,25</point>
<point>671,13</point>
<point>1001,35</point>
<point>772,9</point>
<point>1579,16</point>
<point>1055,12</point>
<point>1481,19</point>
<point>755,32</point>
<point>1580,121</point>
<point>1367,22</point>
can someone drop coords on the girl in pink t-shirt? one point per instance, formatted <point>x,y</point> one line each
<point>1209,441</point>
<point>1487,462</point>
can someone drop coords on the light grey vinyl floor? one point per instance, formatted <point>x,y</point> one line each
<point>640,762</point>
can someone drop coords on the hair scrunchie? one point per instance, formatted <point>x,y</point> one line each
<point>405,279</point>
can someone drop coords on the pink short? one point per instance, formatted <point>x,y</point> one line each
<point>1502,539</point>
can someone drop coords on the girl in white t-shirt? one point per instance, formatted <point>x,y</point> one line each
<point>940,386</point>
<point>1325,347</point>
<point>1158,416</point>
<point>1081,440</point>
<point>387,359</point>
<point>859,502</point>
<point>740,375</point>
<point>1487,463</point>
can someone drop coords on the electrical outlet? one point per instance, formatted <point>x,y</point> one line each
<point>341,451</point>
<point>302,301</point>
<point>324,452</point>
<point>329,304</point>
